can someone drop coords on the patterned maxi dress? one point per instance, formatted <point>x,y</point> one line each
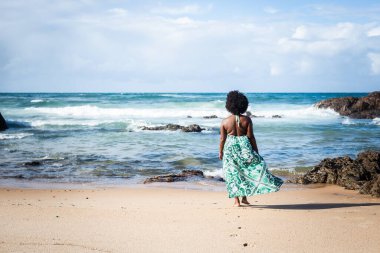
<point>245,171</point>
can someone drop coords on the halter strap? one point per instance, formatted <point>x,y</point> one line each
<point>237,118</point>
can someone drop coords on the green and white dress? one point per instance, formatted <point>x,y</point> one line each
<point>245,171</point>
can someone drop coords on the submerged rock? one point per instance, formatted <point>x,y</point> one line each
<point>359,108</point>
<point>3,124</point>
<point>174,127</point>
<point>185,174</point>
<point>33,163</point>
<point>361,174</point>
<point>276,116</point>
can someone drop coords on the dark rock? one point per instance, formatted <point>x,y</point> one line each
<point>220,179</point>
<point>256,116</point>
<point>359,108</point>
<point>192,128</point>
<point>33,163</point>
<point>189,117</point>
<point>248,113</point>
<point>174,127</point>
<point>276,116</point>
<point>372,187</point>
<point>185,174</point>
<point>171,127</point>
<point>3,124</point>
<point>210,117</point>
<point>189,173</point>
<point>361,174</point>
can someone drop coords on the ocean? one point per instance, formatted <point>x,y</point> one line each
<point>97,137</point>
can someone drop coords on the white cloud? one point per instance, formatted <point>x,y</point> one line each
<point>324,40</point>
<point>300,33</point>
<point>374,32</point>
<point>375,63</point>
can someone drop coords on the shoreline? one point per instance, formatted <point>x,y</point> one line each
<point>201,185</point>
<point>155,219</point>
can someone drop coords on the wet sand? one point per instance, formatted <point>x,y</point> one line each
<point>317,219</point>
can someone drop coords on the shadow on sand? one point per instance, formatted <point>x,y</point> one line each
<point>313,206</point>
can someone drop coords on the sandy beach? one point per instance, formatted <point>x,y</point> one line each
<point>315,219</point>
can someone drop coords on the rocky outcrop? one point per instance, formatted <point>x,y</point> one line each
<point>359,108</point>
<point>361,174</point>
<point>184,175</point>
<point>174,127</point>
<point>210,117</point>
<point>192,128</point>
<point>3,124</point>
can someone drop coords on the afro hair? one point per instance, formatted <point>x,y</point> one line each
<point>236,103</point>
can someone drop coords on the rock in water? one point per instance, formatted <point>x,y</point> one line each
<point>192,128</point>
<point>3,124</point>
<point>210,117</point>
<point>361,174</point>
<point>174,127</point>
<point>359,108</point>
<point>185,174</point>
<point>33,163</point>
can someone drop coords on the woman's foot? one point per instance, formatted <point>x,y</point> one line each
<point>244,200</point>
<point>237,202</point>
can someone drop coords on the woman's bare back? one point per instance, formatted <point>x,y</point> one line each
<point>237,126</point>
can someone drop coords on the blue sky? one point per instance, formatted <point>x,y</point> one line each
<point>189,46</point>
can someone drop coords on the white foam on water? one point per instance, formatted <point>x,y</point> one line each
<point>178,96</point>
<point>36,101</point>
<point>14,136</point>
<point>348,121</point>
<point>94,112</point>
<point>376,121</point>
<point>156,114</point>
<point>218,173</point>
<point>297,112</point>
<point>41,123</point>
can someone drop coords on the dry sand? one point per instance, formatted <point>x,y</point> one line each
<point>324,219</point>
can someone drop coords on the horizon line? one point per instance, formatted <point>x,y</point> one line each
<point>160,92</point>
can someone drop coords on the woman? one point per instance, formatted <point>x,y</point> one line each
<point>245,171</point>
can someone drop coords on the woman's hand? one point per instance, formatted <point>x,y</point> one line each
<point>220,155</point>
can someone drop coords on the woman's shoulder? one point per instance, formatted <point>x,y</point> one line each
<point>245,117</point>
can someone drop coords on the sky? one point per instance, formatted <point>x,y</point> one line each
<point>189,46</point>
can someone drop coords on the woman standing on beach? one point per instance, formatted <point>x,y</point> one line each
<point>245,171</point>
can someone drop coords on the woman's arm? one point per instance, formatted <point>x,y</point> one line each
<point>251,136</point>
<point>223,135</point>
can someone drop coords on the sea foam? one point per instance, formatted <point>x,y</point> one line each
<point>36,100</point>
<point>14,136</point>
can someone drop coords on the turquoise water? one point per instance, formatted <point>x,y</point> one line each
<point>95,137</point>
